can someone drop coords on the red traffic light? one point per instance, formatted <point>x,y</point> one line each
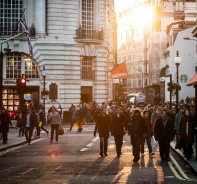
<point>23,80</point>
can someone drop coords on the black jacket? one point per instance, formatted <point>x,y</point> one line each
<point>103,125</point>
<point>161,133</point>
<point>4,122</point>
<point>118,125</point>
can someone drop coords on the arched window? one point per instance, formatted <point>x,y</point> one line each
<point>18,64</point>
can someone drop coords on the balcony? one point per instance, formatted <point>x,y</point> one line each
<point>8,31</point>
<point>89,35</point>
<point>88,75</point>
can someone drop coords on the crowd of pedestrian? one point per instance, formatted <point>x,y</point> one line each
<point>117,120</point>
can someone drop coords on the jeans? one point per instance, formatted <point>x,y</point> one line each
<point>148,141</point>
<point>28,133</point>
<point>54,127</point>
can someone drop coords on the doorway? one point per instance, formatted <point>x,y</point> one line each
<point>86,94</point>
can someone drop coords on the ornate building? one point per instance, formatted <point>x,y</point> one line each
<point>70,38</point>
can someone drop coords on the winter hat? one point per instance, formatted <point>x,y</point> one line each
<point>137,111</point>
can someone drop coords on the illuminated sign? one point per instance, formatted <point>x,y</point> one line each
<point>27,96</point>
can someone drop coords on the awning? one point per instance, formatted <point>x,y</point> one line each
<point>192,80</point>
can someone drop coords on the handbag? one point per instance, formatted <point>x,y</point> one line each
<point>60,130</point>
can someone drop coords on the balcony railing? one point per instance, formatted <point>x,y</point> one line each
<point>8,31</point>
<point>89,34</point>
<point>88,75</point>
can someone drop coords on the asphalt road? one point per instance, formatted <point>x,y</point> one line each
<point>75,159</point>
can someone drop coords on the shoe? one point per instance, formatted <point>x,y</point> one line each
<point>151,154</point>
<point>118,155</point>
<point>101,154</point>
<point>51,141</point>
<point>167,160</point>
<point>106,154</point>
<point>142,154</point>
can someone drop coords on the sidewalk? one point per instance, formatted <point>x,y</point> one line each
<point>192,162</point>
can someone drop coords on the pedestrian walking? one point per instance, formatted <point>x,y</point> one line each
<point>164,134</point>
<point>118,127</point>
<point>138,131</point>
<point>103,127</point>
<point>20,123</point>
<point>42,120</point>
<point>37,122</point>
<point>55,120</point>
<point>4,124</point>
<point>30,123</point>
<point>149,134</point>
<point>187,133</point>
<point>73,111</point>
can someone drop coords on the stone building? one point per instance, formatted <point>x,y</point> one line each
<point>71,39</point>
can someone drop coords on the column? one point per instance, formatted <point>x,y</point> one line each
<point>40,17</point>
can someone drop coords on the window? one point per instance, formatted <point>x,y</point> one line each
<point>15,67</point>
<point>10,12</point>
<point>88,18</point>
<point>31,70</point>
<point>86,68</point>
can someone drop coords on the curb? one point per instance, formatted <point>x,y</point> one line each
<point>179,152</point>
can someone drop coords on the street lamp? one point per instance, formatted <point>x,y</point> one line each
<point>1,70</point>
<point>44,74</point>
<point>177,60</point>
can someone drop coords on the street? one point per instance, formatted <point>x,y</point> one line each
<point>75,159</point>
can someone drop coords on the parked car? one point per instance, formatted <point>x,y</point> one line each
<point>138,100</point>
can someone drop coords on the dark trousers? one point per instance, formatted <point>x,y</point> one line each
<point>118,141</point>
<point>72,123</point>
<point>28,133</point>
<point>188,150</point>
<point>136,141</point>
<point>103,145</point>
<point>54,127</point>
<point>148,141</point>
<point>164,149</point>
<point>38,130</point>
<point>5,136</point>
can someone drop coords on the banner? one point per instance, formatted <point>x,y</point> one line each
<point>119,72</point>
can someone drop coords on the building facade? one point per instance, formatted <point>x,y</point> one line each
<point>70,38</point>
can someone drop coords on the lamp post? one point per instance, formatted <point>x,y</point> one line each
<point>44,74</point>
<point>1,70</point>
<point>177,60</point>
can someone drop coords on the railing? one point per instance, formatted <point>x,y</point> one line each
<point>90,75</point>
<point>8,31</point>
<point>89,34</point>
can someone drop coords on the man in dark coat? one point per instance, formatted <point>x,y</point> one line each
<point>30,123</point>
<point>103,127</point>
<point>138,131</point>
<point>164,134</point>
<point>118,129</point>
<point>4,127</point>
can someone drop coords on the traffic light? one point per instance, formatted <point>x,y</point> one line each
<point>21,85</point>
<point>22,82</point>
<point>169,86</point>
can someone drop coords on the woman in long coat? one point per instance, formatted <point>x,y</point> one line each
<point>5,121</point>
<point>187,133</point>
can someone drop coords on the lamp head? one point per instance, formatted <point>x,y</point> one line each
<point>177,58</point>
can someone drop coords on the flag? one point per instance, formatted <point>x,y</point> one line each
<point>119,72</point>
<point>25,29</point>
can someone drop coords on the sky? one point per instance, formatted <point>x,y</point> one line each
<point>124,4</point>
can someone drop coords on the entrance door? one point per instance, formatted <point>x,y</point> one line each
<point>86,94</point>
